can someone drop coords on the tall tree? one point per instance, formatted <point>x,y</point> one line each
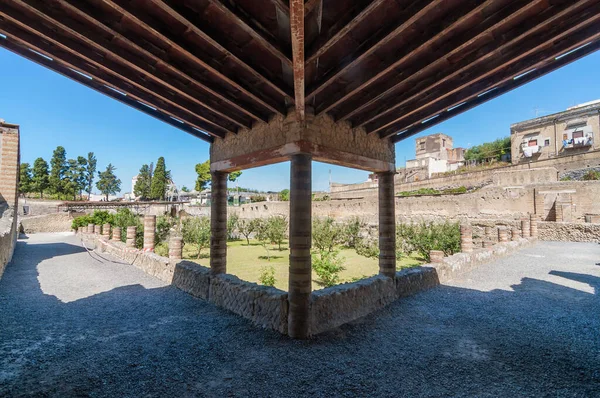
<point>25,178</point>
<point>69,181</point>
<point>234,175</point>
<point>58,165</point>
<point>108,183</point>
<point>40,176</point>
<point>160,178</point>
<point>90,170</point>
<point>82,180</point>
<point>204,178</point>
<point>143,183</point>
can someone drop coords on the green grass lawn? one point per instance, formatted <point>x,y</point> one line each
<point>246,262</point>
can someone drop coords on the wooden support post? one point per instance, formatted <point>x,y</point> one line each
<point>149,233</point>
<point>218,223</point>
<point>466,238</point>
<point>300,272</point>
<point>131,232</point>
<point>387,224</point>
<point>116,236</point>
<point>176,248</point>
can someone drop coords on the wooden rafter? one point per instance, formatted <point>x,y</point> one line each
<point>297,28</point>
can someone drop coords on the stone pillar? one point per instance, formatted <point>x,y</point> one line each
<point>90,228</point>
<point>9,165</point>
<point>488,233</point>
<point>387,224</point>
<point>96,229</point>
<point>300,272</point>
<point>525,227</point>
<point>176,248</point>
<point>106,230</point>
<point>466,238</point>
<point>218,223</point>
<point>149,233</point>
<point>515,234</point>
<point>116,236</point>
<point>533,227</point>
<point>502,235</point>
<point>131,231</point>
<point>436,256</point>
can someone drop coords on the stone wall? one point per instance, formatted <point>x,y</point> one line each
<point>9,183</point>
<point>8,236</point>
<point>569,232</point>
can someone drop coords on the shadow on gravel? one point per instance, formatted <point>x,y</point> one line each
<point>538,339</point>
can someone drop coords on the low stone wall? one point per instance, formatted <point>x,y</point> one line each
<point>568,232</point>
<point>8,236</point>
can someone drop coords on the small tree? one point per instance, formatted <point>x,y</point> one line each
<point>108,183</point>
<point>40,181</point>
<point>328,265</point>
<point>141,188</point>
<point>261,227</point>
<point>196,231</point>
<point>267,276</point>
<point>90,170</point>
<point>204,177</point>
<point>25,178</point>
<point>246,228</point>
<point>352,230</point>
<point>284,195</point>
<point>277,229</point>
<point>326,234</point>
<point>158,187</point>
<point>232,225</point>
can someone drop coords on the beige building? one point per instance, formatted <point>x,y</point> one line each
<point>435,153</point>
<point>574,131</point>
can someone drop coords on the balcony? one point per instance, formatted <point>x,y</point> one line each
<point>580,142</point>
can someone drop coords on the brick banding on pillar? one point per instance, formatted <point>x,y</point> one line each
<point>149,233</point>
<point>106,230</point>
<point>116,234</point>
<point>436,256</point>
<point>176,247</point>
<point>131,232</point>
<point>466,238</point>
<point>502,235</point>
<point>387,224</point>
<point>97,229</point>
<point>525,227</point>
<point>90,228</point>
<point>300,272</point>
<point>516,234</point>
<point>533,226</point>
<point>218,223</point>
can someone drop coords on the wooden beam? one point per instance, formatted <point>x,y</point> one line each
<point>297,28</point>
<point>73,6</point>
<point>64,60</point>
<point>12,45</point>
<point>520,51</point>
<point>415,12</point>
<point>282,5</point>
<point>252,27</point>
<point>168,9</point>
<point>485,27</point>
<point>552,65</point>
<point>322,45</point>
<point>310,5</point>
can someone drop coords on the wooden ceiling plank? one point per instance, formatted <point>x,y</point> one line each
<point>548,53</point>
<point>503,20</point>
<point>365,51</point>
<point>297,30</point>
<point>560,27</point>
<point>552,65</point>
<point>27,37</point>
<point>166,8</point>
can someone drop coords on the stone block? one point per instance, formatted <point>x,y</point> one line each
<point>192,278</point>
<point>414,280</point>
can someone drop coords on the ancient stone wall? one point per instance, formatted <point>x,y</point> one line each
<point>9,182</point>
<point>8,236</point>
<point>569,232</point>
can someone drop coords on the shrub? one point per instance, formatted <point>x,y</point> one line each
<point>126,218</point>
<point>427,236</point>
<point>352,230</point>
<point>566,178</point>
<point>591,175</point>
<point>162,249</point>
<point>326,235</point>
<point>163,228</point>
<point>276,229</point>
<point>232,225</point>
<point>327,265</point>
<point>98,217</point>
<point>257,198</point>
<point>367,248</point>
<point>267,276</point>
<point>196,231</point>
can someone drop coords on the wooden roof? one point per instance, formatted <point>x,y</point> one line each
<point>211,67</point>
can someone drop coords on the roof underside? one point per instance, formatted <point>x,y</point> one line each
<point>211,67</point>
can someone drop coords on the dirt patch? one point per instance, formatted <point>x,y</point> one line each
<point>58,222</point>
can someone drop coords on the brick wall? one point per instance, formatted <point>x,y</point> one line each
<point>9,164</point>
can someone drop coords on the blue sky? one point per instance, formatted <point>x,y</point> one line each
<point>53,110</point>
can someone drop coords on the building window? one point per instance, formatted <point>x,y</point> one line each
<point>547,142</point>
<point>532,143</point>
<point>577,134</point>
<point>444,142</point>
<point>422,145</point>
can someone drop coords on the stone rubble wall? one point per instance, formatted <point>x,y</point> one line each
<point>8,237</point>
<point>569,232</point>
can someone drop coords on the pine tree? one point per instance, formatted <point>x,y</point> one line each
<point>40,176</point>
<point>25,179</point>
<point>143,183</point>
<point>58,165</point>
<point>158,186</point>
<point>82,180</point>
<point>204,177</point>
<point>90,170</point>
<point>108,183</point>
<point>69,181</point>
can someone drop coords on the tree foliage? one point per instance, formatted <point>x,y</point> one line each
<point>90,171</point>
<point>247,227</point>
<point>58,165</point>
<point>196,231</point>
<point>267,276</point>
<point>284,195</point>
<point>232,225</point>
<point>158,186</point>
<point>328,265</point>
<point>234,175</point>
<point>204,177</point>
<point>426,236</point>
<point>326,234</point>
<point>41,178</point>
<point>143,183</point>
<point>108,183</point>
<point>489,150</point>
<point>25,178</point>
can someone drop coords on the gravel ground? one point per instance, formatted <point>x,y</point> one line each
<point>526,325</point>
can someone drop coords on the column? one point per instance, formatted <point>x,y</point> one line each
<point>176,248</point>
<point>149,233</point>
<point>106,231</point>
<point>525,227</point>
<point>502,234</point>
<point>387,224</point>
<point>300,278</point>
<point>436,256</point>
<point>466,238</point>
<point>218,223</point>
<point>116,236</point>
<point>533,227</point>
<point>131,232</point>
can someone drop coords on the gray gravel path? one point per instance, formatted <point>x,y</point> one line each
<point>526,325</point>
